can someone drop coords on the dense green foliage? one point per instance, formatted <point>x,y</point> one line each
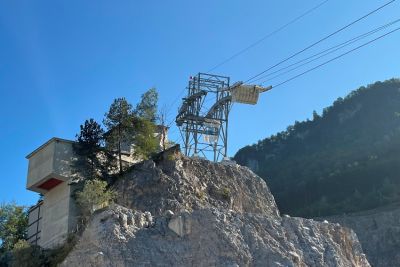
<point>147,107</point>
<point>94,161</point>
<point>146,143</point>
<point>119,122</point>
<point>94,195</point>
<point>13,224</point>
<point>91,135</point>
<point>346,160</point>
<point>26,255</point>
<point>127,126</point>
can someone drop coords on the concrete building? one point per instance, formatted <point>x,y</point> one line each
<point>51,172</point>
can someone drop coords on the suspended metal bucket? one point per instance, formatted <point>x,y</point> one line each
<point>247,94</point>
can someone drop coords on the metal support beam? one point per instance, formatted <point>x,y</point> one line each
<point>204,129</point>
<point>203,116</point>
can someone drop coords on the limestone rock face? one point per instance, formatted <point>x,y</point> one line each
<point>379,233</point>
<point>188,184</point>
<point>191,212</point>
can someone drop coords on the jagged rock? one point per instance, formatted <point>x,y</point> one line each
<point>149,218</point>
<point>169,214</point>
<point>216,238</point>
<point>180,224</point>
<point>130,220</point>
<point>140,220</point>
<point>123,220</point>
<point>379,233</point>
<point>206,214</point>
<point>189,184</point>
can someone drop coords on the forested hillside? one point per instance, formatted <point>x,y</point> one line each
<point>345,160</point>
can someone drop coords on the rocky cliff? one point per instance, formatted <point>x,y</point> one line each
<point>177,211</point>
<point>379,233</point>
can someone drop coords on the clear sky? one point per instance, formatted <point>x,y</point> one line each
<point>62,62</point>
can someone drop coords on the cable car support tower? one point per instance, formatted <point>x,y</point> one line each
<point>204,113</point>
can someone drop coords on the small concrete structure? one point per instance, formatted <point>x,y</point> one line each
<point>49,173</point>
<point>50,165</point>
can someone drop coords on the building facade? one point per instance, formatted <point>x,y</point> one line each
<point>52,174</point>
<point>49,173</point>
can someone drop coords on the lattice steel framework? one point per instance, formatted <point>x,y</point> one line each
<point>204,127</point>
<point>204,130</point>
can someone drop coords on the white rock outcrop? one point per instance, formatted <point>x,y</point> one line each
<point>378,231</point>
<point>191,212</point>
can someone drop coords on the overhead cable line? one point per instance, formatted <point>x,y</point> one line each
<point>255,44</point>
<point>240,52</point>
<point>337,57</point>
<point>323,53</point>
<point>321,40</point>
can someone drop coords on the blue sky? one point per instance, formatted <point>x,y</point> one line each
<point>62,62</point>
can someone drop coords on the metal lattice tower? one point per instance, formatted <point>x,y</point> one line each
<point>205,132</point>
<point>203,116</point>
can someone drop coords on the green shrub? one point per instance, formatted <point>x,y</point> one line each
<point>26,255</point>
<point>226,193</point>
<point>171,157</point>
<point>201,195</point>
<point>94,195</point>
<point>13,224</point>
<point>55,256</point>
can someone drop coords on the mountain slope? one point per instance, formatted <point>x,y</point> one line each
<point>192,212</point>
<point>346,160</point>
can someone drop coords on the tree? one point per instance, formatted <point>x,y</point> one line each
<point>316,116</point>
<point>147,107</point>
<point>360,129</point>
<point>13,225</point>
<point>89,141</point>
<point>27,255</point>
<point>94,195</point>
<point>91,135</point>
<point>118,121</point>
<point>146,143</point>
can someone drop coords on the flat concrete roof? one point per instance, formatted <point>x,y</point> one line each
<point>48,142</point>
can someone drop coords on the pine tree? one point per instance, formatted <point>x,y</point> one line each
<point>147,108</point>
<point>316,116</point>
<point>146,142</point>
<point>91,134</point>
<point>118,121</point>
<point>90,140</point>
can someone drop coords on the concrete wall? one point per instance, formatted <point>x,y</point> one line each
<point>63,159</point>
<point>40,165</point>
<point>52,160</point>
<point>55,216</point>
<point>73,209</point>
